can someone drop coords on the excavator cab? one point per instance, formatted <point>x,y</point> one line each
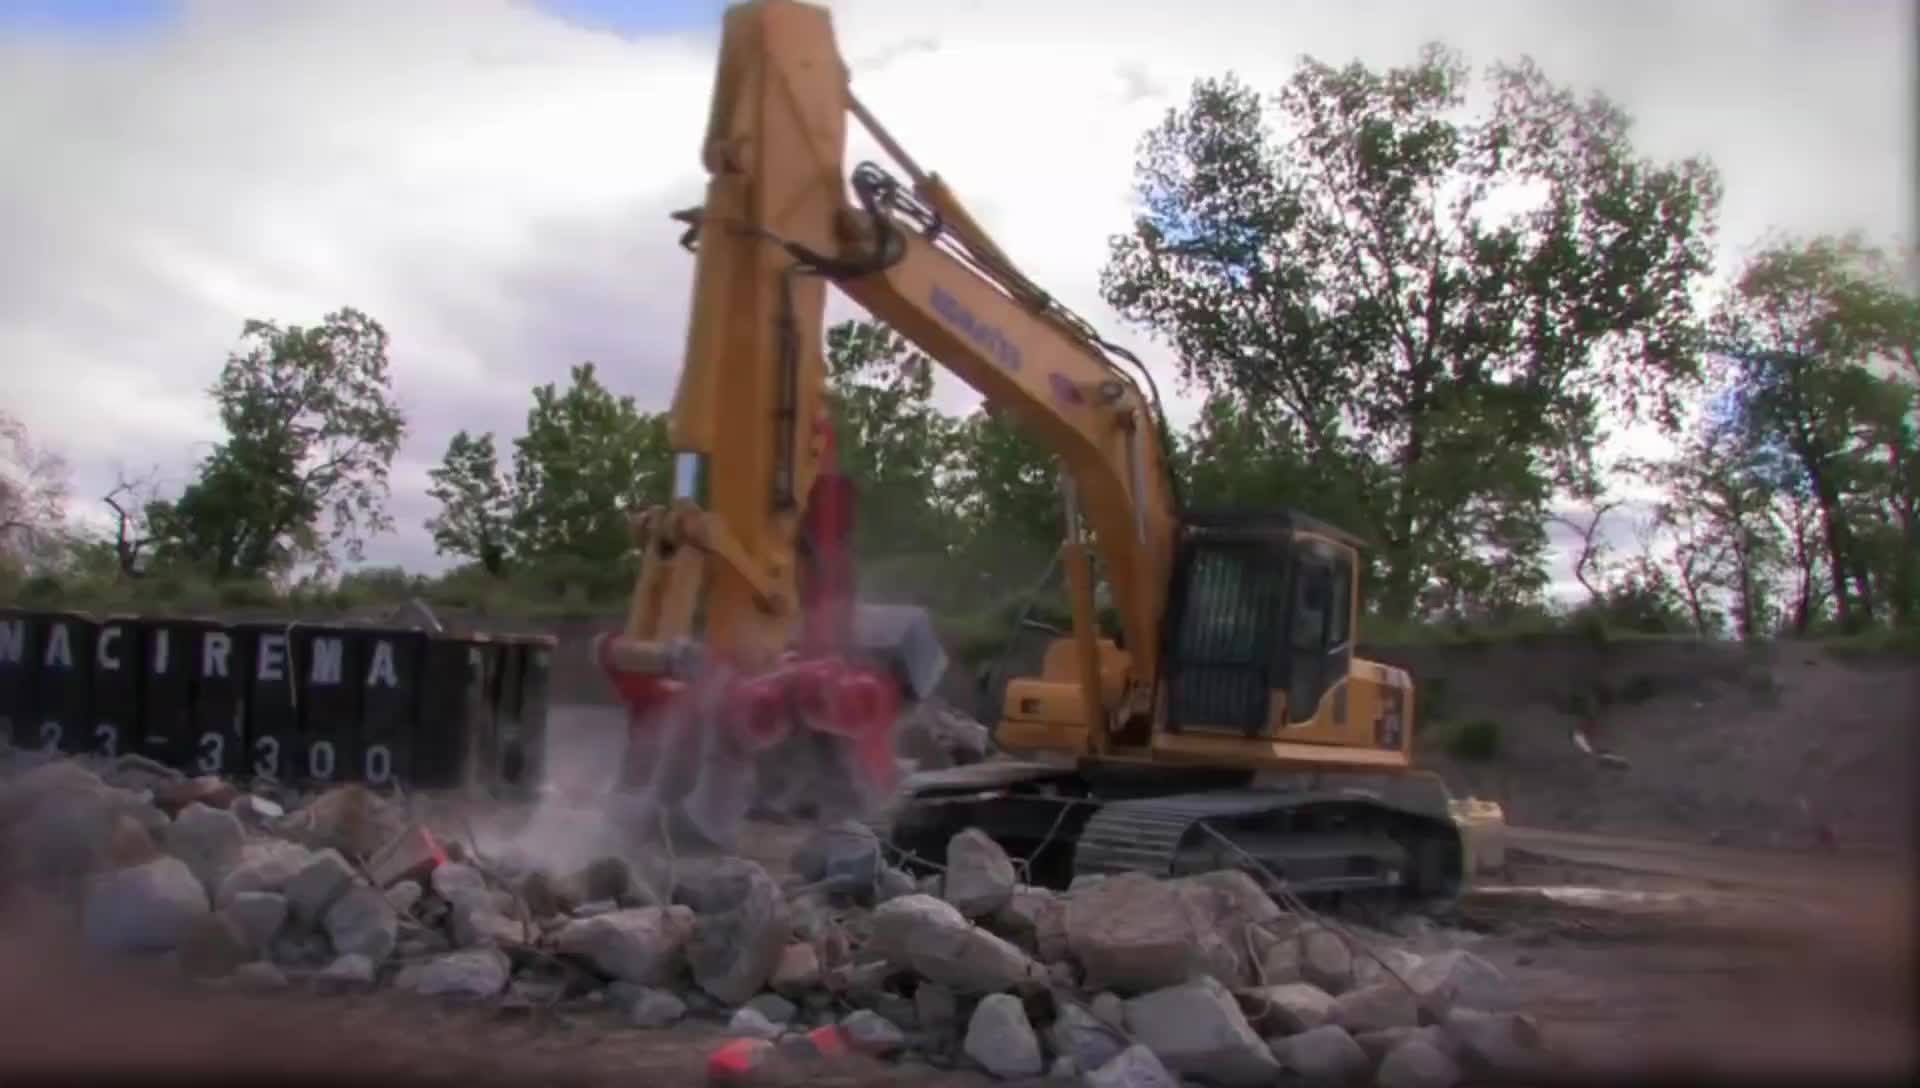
<point>1259,621</point>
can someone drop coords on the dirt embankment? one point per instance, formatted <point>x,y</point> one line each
<point>1786,746</point>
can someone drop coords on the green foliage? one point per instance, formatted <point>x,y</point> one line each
<point>587,459</point>
<point>1477,740</point>
<point>476,510</point>
<point>892,442</point>
<point>311,430</point>
<point>1438,363</point>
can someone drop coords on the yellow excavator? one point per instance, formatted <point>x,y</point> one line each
<point>1225,722</point>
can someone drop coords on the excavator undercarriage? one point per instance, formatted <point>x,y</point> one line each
<point>1339,833</point>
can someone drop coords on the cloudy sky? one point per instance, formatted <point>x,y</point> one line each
<point>491,178</point>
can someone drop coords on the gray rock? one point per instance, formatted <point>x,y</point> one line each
<point>1111,1010</point>
<point>870,1033</point>
<point>1062,1069</point>
<point>362,922</point>
<point>980,877</point>
<point>1293,1007</point>
<point>461,885</point>
<point>1197,1029</point>
<point>900,1010</point>
<point>1325,960</point>
<point>71,823</point>
<point>1133,933</point>
<point>797,971</point>
<point>735,949</point>
<point>313,890</point>
<point>1001,1040</point>
<point>1416,1064</point>
<point>208,840</point>
<point>892,884</point>
<point>301,948</point>
<point>265,865</point>
<point>1495,1043</point>
<point>644,945</point>
<point>1382,1005</point>
<point>259,916</point>
<point>1459,977</point>
<point>935,940</point>
<point>470,972</point>
<point>935,1007</point>
<point>655,1008</point>
<point>1324,1055</point>
<point>146,907</point>
<point>748,1023</point>
<point>845,855</point>
<point>1080,1035</point>
<point>714,885</point>
<point>476,923</point>
<point>403,896</point>
<point>259,976</point>
<point>1036,920</point>
<point>1379,1044</point>
<point>352,969</point>
<point>1134,1067</point>
<point>1281,964</point>
<point>255,811</point>
<point>1368,967</point>
<point>777,1009</point>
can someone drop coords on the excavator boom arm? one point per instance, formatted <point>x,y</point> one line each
<point>776,226</point>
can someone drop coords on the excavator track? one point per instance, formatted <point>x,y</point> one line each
<point>1351,835</point>
<point>1181,834</point>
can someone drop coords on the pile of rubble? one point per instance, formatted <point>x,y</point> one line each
<point>1124,982</point>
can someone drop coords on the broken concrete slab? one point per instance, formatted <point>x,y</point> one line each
<point>1377,1007</point>
<point>1197,1029</point>
<point>144,908</point>
<point>734,950</point>
<point>935,940</point>
<point>1417,1064</point>
<point>471,972</point>
<point>1134,1067</point>
<point>1324,1055</point>
<point>362,922</point>
<point>979,878</point>
<point>644,945</point>
<point>208,840</point>
<point>1000,1039</point>
<point>1289,1008</point>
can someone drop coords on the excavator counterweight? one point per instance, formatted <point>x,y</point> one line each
<point>1225,720</point>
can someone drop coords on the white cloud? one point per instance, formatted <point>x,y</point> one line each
<point>492,182</point>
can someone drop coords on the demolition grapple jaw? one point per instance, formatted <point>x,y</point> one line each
<point>707,744</point>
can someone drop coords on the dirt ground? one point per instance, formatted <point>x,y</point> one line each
<point>1641,945</point>
<point>1632,973</point>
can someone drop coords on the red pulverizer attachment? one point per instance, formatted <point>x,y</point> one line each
<point>818,686</point>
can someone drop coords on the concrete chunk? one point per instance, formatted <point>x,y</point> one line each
<point>1197,1029</point>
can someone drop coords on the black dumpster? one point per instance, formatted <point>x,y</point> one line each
<point>391,701</point>
<point>329,666</point>
<point>305,704</point>
<point>18,671</point>
<point>60,703</point>
<point>516,759</point>
<point>115,714</point>
<point>455,712</point>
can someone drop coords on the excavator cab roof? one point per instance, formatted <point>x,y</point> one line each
<point>1262,521</point>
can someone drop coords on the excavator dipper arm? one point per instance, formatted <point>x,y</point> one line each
<point>755,534</point>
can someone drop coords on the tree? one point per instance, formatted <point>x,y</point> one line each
<point>1805,329</point>
<point>131,499</point>
<point>311,431</point>
<point>892,442</point>
<point>476,509</point>
<point>1444,361</point>
<point>587,459</point>
<point>1007,494</point>
<point>33,495</point>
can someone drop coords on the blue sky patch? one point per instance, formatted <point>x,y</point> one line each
<point>638,17</point>
<point>86,18</point>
